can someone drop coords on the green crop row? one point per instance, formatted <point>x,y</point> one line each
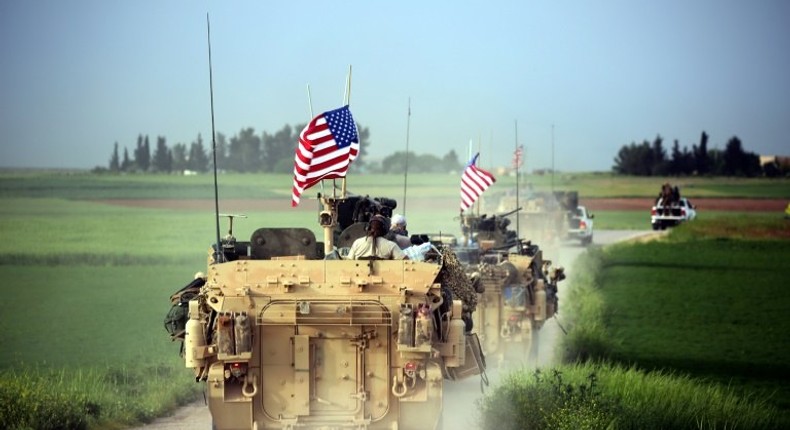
<point>81,186</point>
<point>684,332</point>
<point>43,398</point>
<point>590,396</point>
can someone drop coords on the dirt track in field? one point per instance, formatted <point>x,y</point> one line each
<point>595,204</point>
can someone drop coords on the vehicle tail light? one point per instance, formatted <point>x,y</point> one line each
<point>653,212</point>
<point>236,370</point>
<point>410,369</point>
<point>582,225</point>
<point>682,212</point>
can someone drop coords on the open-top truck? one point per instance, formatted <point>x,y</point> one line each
<point>670,209</point>
<point>286,334</point>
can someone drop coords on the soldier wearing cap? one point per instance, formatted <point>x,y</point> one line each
<point>374,244</point>
<point>398,232</point>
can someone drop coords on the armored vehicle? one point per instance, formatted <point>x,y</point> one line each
<point>544,216</point>
<point>517,287</point>
<point>286,334</point>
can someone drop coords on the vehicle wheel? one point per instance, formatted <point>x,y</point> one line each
<point>587,240</point>
<point>655,226</point>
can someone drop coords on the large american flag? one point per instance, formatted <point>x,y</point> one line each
<point>473,182</point>
<point>327,146</point>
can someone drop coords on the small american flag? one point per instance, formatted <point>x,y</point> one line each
<point>473,182</point>
<point>518,160</point>
<point>327,146</point>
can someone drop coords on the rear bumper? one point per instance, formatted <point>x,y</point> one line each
<point>578,234</point>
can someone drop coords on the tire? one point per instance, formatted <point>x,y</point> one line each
<point>655,226</point>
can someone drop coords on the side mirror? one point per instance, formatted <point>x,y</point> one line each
<point>592,216</point>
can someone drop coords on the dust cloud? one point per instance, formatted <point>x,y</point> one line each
<point>461,398</point>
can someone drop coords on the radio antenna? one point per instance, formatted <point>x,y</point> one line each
<point>406,162</point>
<point>218,255</point>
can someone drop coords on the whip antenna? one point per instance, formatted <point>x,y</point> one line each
<point>218,255</point>
<point>406,162</point>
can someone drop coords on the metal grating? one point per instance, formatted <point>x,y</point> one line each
<point>325,312</point>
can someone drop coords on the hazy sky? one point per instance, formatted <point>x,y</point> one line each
<point>77,76</point>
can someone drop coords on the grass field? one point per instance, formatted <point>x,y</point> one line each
<point>709,303</point>
<point>86,284</point>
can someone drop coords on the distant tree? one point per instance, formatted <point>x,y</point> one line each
<point>222,152</point>
<point>716,162</point>
<point>738,162</point>
<point>733,157</point>
<point>634,159</point>
<point>395,162</point>
<point>198,160</point>
<point>364,143</point>
<point>450,162</point>
<point>142,153</point>
<point>126,163</point>
<point>771,170</point>
<point>162,161</point>
<point>657,161</point>
<point>701,157</point>
<point>681,161</point>
<point>424,163</point>
<point>115,162</point>
<point>244,151</point>
<point>278,150</point>
<point>146,159</point>
<point>179,156</point>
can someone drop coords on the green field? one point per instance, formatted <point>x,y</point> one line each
<point>86,284</point>
<point>695,322</point>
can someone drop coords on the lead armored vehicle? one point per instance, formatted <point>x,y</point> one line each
<point>286,334</point>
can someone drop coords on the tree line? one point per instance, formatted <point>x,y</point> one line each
<point>651,159</point>
<point>249,152</point>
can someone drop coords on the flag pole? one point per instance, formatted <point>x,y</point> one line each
<point>309,103</point>
<point>310,118</point>
<point>479,143</point>
<point>406,167</point>
<point>552,157</point>
<point>518,165</point>
<point>346,102</point>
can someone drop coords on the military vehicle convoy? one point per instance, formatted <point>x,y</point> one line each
<point>517,287</point>
<point>286,334</point>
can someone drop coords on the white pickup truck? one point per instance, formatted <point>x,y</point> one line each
<point>669,215</point>
<point>580,225</point>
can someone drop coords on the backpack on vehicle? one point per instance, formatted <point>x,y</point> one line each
<point>176,318</point>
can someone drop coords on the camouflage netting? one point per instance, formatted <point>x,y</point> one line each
<point>454,276</point>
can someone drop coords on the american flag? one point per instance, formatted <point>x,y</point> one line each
<point>473,182</point>
<point>518,160</point>
<point>327,145</point>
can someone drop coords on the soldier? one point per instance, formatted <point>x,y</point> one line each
<point>398,232</point>
<point>374,244</point>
